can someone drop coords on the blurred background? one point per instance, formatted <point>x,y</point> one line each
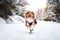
<point>47,13</point>
<point>45,10</point>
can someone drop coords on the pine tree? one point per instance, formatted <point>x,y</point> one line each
<point>51,16</point>
<point>38,15</point>
<point>57,10</point>
<point>20,5</point>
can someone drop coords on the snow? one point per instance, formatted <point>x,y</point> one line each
<point>42,31</point>
<point>2,22</point>
<point>15,19</point>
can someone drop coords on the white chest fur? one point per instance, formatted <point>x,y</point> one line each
<point>29,20</point>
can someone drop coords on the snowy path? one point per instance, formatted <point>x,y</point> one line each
<point>42,31</point>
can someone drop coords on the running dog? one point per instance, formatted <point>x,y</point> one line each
<point>30,20</point>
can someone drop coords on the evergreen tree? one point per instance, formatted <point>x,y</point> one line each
<point>53,13</point>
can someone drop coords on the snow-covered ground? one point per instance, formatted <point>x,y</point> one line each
<point>42,31</point>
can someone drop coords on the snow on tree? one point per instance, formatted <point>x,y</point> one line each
<point>20,7</point>
<point>52,12</point>
<point>38,17</point>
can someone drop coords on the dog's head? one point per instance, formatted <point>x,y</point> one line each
<point>30,14</point>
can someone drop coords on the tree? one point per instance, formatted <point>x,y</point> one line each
<point>20,6</point>
<point>57,11</point>
<point>5,9</point>
<point>51,12</point>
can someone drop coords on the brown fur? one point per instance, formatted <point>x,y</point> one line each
<point>31,15</point>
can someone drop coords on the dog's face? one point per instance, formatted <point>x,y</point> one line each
<point>30,15</point>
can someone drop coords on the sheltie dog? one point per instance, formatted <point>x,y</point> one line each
<point>30,20</point>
